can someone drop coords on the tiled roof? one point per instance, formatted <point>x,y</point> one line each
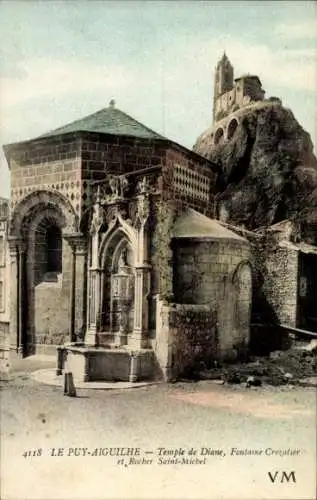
<point>108,121</point>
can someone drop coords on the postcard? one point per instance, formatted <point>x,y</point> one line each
<point>158,250</point>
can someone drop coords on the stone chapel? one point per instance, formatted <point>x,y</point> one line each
<point>115,254</point>
<point>114,251</point>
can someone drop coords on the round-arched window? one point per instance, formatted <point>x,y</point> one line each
<point>232,127</point>
<point>219,136</point>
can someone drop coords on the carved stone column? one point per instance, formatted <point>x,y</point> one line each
<point>14,294</point>
<point>22,298</point>
<point>94,274</point>
<point>81,287</point>
<point>17,274</point>
<point>139,337</point>
<point>94,284</point>
<point>78,246</point>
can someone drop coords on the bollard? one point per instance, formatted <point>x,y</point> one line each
<point>65,383</point>
<point>60,356</point>
<point>134,362</point>
<point>69,386</point>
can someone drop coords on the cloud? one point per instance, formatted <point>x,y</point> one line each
<point>42,78</point>
<point>304,30</point>
<point>289,67</point>
<point>186,64</point>
<point>173,84</point>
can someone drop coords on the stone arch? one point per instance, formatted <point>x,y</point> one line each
<point>38,213</point>
<point>37,272</point>
<point>39,201</point>
<point>219,136</point>
<point>232,127</point>
<point>117,244</point>
<point>124,244</point>
<point>116,229</point>
<point>244,265</point>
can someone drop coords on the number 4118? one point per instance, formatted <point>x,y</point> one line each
<point>32,453</point>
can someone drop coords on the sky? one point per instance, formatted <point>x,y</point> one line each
<point>61,60</point>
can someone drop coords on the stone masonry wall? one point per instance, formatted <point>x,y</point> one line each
<point>202,265</point>
<point>281,282</point>
<point>53,166</point>
<point>194,338</point>
<point>204,275</point>
<point>160,250</point>
<point>70,163</point>
<point>110,154</point>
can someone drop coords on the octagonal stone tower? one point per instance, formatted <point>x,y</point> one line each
<point>54,180</point>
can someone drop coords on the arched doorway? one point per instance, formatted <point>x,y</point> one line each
<point>41,270</point>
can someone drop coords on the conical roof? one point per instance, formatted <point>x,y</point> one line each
<point>192,224</point>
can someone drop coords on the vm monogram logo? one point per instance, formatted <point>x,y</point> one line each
<point>280,476</point>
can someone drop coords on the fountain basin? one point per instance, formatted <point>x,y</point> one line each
<point>112,364</point>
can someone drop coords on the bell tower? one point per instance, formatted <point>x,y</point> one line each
<point>223,78</point>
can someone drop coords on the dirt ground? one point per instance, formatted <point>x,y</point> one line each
<point>278,423</point>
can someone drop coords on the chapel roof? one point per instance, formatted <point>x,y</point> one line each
<point>110,120</point>
<point>107,121</point>
<point>192,224</point>
<point>248,76</point>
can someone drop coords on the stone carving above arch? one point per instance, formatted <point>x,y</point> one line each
<point>143,186</point>
<point>118,185</point>
<point>112,212</point>
<point>98,214</point>
<point>42,200</point>
<point>143,210</point>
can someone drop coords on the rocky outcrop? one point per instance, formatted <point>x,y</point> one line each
<point>267,170</point>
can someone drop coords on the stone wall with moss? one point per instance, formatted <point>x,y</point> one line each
<point>281,283</point>
<point>194,338</point>
<point>161,253</point>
